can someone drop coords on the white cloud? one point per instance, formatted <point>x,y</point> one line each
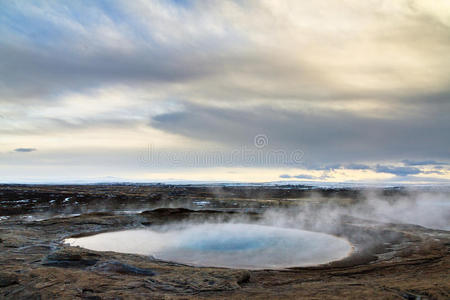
<point>97,77</point>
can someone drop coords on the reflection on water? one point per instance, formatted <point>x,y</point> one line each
<point>224,245</point>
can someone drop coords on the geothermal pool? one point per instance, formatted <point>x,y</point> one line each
<point>224,245</point>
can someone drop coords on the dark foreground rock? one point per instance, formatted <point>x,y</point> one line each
<point>7,279</point>
<point>70,258</point>
<point>122,268</point>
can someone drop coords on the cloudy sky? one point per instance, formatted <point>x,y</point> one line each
<point>266,90</point>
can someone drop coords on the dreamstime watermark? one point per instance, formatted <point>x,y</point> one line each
<point>261,140</point>
<point>258,155</point>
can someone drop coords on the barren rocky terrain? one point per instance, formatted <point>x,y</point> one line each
<point>390,261</point>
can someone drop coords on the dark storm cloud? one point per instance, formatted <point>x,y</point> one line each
<point>433,172</point>
<point>32,73</point>
<point>398,171</point>
<point>25,150</point>
<point>324,137</point>
<point>285,176</point>
<point>423,162</point>
<point>302,176</point>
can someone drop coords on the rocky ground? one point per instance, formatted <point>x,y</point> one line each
<point>390,261</point>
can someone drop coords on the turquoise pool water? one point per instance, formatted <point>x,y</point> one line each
<point>224,245</point>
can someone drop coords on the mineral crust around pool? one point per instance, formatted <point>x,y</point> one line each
<point>231,245</point>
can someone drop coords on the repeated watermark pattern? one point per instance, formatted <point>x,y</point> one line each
<point>259,155</point>
<point>261,140</point>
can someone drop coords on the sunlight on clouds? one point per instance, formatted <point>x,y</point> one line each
<point>342,175</point>
<point>267,175</point>
<point>361,80</point>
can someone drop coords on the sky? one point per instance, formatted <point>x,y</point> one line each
<point>247,91</point>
